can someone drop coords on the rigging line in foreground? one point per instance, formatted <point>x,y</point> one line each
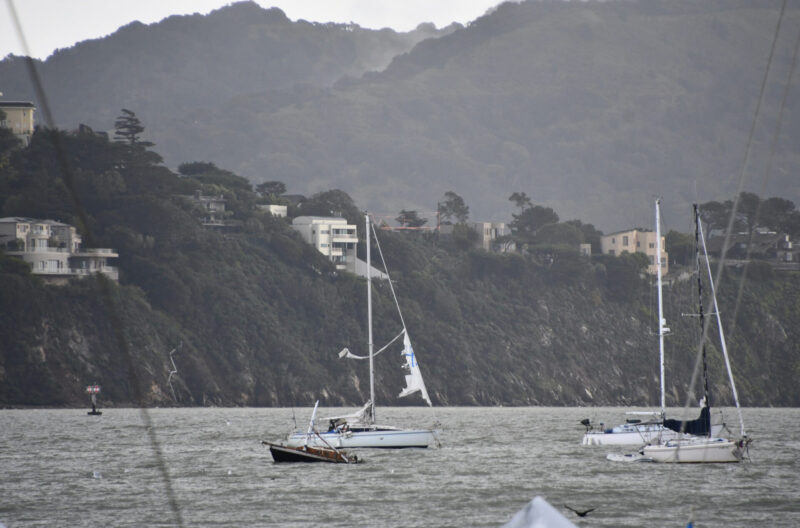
<point>767,174</point>
<point>105,286</point>
<point>749,144</point>
<point>729,230</point>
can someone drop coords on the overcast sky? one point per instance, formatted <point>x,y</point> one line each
<point>52,24</point>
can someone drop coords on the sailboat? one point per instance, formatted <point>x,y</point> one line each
<point>360,429</point>
<point>703,447</point>
<point>635,431</point>
<point>307,453</point>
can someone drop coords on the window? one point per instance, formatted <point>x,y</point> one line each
<point>638,244</point>
<point>624,240</point>
<point>611,252</point>
<point>613,241</point>
<point>652,245</point>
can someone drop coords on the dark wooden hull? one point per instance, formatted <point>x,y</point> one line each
<point>309,454</point>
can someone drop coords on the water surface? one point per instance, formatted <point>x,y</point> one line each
<point>64,468</point>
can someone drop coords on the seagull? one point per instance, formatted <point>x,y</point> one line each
<point>580,513</point>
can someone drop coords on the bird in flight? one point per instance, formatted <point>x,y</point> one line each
<point>579,513</point>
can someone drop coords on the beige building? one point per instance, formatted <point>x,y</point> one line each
<point>19,118</point>
<point>53,248</point>
<point>633,241</point>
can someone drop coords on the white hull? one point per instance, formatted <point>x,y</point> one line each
<point>629,435</point>
<point>695,451</point>
<point>636,434</point>
<point>377,438</point>
<point>639,434</point>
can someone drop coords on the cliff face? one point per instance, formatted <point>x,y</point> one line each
<point>271,338</point>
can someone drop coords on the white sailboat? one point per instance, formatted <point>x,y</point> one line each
<point>706,448</point>
<point>635,431</point>
<point>360,429</point>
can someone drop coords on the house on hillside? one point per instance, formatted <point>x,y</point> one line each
<point>487,232</point>
<point>19,118</point>
<point>337,240</point>
<point>54,249</point>
<point>333,237</point>
<point>213,209</point>
<point>274,209</point>
<point>636,241</point>
<point>770,246</point>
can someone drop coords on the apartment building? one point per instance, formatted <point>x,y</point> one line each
<point>636,241</point>
<point>333,237</point>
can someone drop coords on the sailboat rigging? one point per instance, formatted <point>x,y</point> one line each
<point>360,429</point>
<point>704,446</point>
<point>636,432</point>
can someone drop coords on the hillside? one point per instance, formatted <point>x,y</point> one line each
<point>591,108</point>
<point>258,316</point>
<point>190,63</point>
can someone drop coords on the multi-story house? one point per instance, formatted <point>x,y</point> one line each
<point>53,249</point>
<point>333,237</point>
<point>19,118</point>
<point>633,241</point>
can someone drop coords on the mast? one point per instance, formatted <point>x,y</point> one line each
<point>661,328</point>
<point>369,321</point>
<point>706,394</point>
<point>719,326</point>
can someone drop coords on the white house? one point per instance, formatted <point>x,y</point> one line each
<point>274,209</point>
<point>333,237</point>
<point>53,248</point>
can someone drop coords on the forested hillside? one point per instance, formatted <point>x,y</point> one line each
<point>592,108</point>
<point>257,316</point>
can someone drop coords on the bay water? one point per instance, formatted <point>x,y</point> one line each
<point>64,468</point>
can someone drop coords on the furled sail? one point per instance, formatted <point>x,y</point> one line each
<point>414,381</point>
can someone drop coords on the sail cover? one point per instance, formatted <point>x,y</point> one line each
<point>414,381</point>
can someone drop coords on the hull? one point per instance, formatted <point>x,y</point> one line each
<point>636,434</point>
<point>375,438</point>
<point>696,451</point>
<point>309,454</point>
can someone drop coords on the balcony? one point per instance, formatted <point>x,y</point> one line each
<point>96,252</point>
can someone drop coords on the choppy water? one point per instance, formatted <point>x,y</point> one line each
<point>64,468</point>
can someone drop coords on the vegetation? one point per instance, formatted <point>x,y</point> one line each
<point>260,314</point>
<point>580,104</point>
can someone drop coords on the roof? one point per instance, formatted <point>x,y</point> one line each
<point>319,219</point>
<point>17,104</point>
<point>639,229</point>
<point>26,220</point>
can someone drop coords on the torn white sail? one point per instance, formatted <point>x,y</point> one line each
<point>414,381</point>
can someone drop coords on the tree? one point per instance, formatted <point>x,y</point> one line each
<point>128,129</point>
<point>525,225</point>
<point>520,199</point>
<point>591,235</point>
<point>680,247</point>
<point>271,188</point>
<point>452,207</point>
<point>410,219</point>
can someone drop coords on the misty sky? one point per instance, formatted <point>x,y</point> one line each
<point>52,24</point>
